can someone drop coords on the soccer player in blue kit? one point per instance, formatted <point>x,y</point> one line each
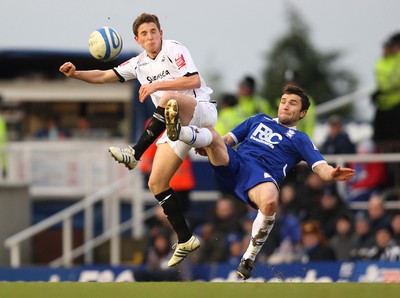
<point>267,150</point>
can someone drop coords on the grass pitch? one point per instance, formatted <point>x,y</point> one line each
<point>197,289</point>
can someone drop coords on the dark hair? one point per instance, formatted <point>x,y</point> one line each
<point>394,40</point>
<point>295,89</point>
<point>248,82</point>
<point>145,18</point>
<point>229,100</point>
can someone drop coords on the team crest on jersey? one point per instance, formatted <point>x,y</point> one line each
<point>290,133</point>
<point>263,134</point>
<point>180,61</point>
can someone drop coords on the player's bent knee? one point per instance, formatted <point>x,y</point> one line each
<point>269,207</point>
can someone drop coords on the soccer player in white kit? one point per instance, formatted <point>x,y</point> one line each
<point>267,150</point>
<point>165,70</point>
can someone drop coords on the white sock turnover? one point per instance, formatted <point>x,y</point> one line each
<point>195,137</point>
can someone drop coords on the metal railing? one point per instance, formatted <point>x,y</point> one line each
<point>28,159</point>
<point>110,198</point>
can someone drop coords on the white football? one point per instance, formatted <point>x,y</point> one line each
<point>105,44</point>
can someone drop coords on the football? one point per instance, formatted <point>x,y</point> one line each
<point>105,44</point>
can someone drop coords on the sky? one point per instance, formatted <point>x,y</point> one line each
<point>225,37</point>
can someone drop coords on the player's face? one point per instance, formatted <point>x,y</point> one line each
<point>289,111</point>
<point>150,38</point>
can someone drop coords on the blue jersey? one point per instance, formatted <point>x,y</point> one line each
<point>267,151</point>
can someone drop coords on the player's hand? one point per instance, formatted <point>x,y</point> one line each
<point>341,174</point>
<point>68,69</point>
<point>145,90</point>
<point>201,151</point>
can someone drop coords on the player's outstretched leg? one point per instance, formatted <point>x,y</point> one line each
<point>182,250</point>
<point>172,121</point>
<point>125,156</point>
<point>245,267</point>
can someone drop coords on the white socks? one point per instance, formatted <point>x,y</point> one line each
<point>195,137</point>
<point>262,226</point>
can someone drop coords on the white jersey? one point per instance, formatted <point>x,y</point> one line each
<point>173,61</point>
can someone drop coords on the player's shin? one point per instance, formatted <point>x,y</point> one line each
<point>262,226</point>
<point>173,211</point>
<point>152,131</point>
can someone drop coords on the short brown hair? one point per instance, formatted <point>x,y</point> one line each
<point>295,89</point>
<point>145,18</point>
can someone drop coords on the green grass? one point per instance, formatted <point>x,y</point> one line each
<point>197,289</point>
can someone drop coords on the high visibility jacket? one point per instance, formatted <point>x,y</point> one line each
<point>387,74</point>
<point>228,118</point>
<point>251,105</point>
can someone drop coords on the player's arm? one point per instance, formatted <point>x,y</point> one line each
<point>229,140</point>
<point>187,82</point>
<point>328,173</point>
<point>90,76</point>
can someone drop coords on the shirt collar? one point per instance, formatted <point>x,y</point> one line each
<point>277,121</point>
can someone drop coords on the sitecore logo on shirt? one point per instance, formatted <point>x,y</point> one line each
<point>263,134</point>
<point>157,77</point>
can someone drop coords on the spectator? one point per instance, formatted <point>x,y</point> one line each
<point>328,210</point>
<point>226,219</point>
<point>337,141</point>
<point>225,222</point>
<point>310,193</point>
<point>3,142</point>
<point>159,223</point>
<point>289,203</point>
<point>157,256</point>
<point>84,128</point>
<point>395,226</point>
<point>213,249</point>
<point>52,131</point>
<point>365,238</point>
<point>249,103</point>
<point>344,238</point>
<point>387,96</point>
<point>377,213</point>
<point>229,115</point>
<point>235,248</point>
<point>314,243</point>
<point>385,248</point>
<point>370,177</point>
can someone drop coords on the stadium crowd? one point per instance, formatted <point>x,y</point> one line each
<point>314,223</point>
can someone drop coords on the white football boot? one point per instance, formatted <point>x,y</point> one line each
<point>125,156</point>
<point>182,250</point>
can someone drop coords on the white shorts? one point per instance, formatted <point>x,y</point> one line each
<point>205,114</point>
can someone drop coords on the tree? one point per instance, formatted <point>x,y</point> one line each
<point>295,59</point>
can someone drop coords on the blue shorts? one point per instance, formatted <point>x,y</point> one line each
<point>242,174</point>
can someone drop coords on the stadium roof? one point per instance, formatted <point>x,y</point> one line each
<point>32,75</point>
<point>23,63</point>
